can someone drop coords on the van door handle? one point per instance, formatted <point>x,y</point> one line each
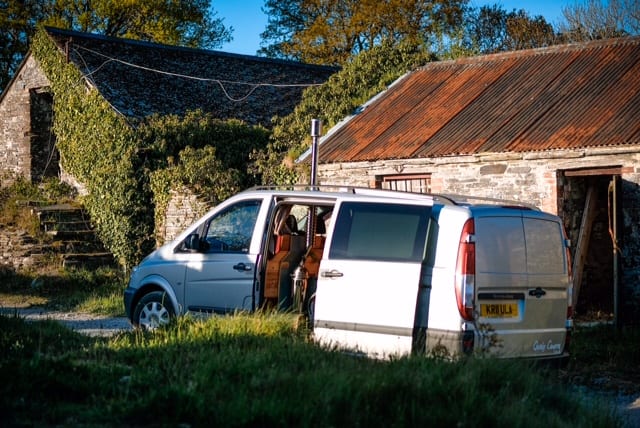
<point>332,274</point>
<point>242,267</point>
<point>538,292</point>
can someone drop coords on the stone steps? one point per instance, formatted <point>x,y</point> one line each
<point>87,260</point>
<point>72,237</point>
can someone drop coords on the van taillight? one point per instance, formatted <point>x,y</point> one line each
<point>466,271</point>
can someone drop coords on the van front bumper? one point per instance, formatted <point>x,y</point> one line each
<point>128,300</point>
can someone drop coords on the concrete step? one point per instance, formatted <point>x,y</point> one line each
<point>87,260</point>
<point>68,235</point>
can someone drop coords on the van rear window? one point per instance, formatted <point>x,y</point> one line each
<point>519,245</point>
<point>500,246</point>
<point>386,232</point>
<point>545,247</point>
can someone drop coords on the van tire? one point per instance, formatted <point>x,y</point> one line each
<point>153,310</point>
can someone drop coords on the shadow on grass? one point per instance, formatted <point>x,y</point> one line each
<point>61,289</point>
<point>259,371</point>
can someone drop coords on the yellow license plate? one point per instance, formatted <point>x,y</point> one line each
<point>499,310</point>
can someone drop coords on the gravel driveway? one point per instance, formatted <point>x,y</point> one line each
<point>89,324</point>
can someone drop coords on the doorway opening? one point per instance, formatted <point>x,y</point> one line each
<point>45,158</point>
<point>590,205</point>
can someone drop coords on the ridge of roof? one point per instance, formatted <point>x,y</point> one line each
<point>547,50</point>
<point>161,46</point>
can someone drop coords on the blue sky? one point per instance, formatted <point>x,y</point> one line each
<point>248,21</point>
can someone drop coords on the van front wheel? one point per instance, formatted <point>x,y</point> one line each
<point>153,310</point>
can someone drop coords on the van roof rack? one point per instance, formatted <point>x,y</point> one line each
<point>402,194</point>
<point>473,200</point>
<point>357,190</point>
<point>446,198</point>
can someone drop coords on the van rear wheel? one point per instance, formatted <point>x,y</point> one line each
<point>153,310</point>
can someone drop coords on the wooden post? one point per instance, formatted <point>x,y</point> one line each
<point>582,247</point>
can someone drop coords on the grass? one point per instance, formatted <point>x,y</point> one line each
<point>258,370</point>
<point>95,291</point>
<point>261,370</point>
<point>606,358</point>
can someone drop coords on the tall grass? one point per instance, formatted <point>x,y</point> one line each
<point>606,357</point>
<point>97,291</point>
<point>259,370</point>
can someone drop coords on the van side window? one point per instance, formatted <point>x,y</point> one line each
<point>374,231</point>
<point>500,245</point>
<point>231,230</point>
<point>545,248</point>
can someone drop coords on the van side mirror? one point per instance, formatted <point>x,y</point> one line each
<point>192,242</point>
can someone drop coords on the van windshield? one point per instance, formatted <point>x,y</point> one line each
<point>376,231</point>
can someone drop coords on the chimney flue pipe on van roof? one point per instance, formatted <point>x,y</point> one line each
<point>316,130</point>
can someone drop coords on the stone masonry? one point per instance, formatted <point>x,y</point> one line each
<point>183,209</point>
<point>19,135</point>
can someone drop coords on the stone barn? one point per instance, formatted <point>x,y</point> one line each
<point>556,127</point>
<point>139,79</point>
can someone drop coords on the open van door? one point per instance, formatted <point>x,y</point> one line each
<point>220,275</point>
<point>369,276</point>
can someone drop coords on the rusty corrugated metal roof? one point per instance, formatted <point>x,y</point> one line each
<point>561,97</point>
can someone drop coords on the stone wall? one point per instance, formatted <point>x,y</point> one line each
<point>183,209</point>
<point>17,131</point>
<point>534,178</point>
<point>18,250</point>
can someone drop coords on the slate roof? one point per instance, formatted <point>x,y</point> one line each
<point>561,97</point>
<point>141,78</point>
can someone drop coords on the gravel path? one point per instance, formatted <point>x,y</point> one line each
<point>89,324</point>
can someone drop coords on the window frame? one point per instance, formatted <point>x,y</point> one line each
<point>390,182</point>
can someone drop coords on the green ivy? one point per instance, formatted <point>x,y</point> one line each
<point>366,75</point>
<point>98,147</point>
<point>128,171</point>
<point>207,155</point>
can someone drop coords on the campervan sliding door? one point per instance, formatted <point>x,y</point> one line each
<point>369,276</point>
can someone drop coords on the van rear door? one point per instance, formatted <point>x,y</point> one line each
<point>369,276</point>
<point>522,284</point>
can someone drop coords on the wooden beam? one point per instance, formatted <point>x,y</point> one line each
<point>582,247</point>
<point>588,172</point>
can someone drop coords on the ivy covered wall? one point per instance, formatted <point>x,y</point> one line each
<point>129,167</point>
<point>98,147</point>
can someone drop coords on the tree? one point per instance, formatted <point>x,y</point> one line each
<point>364,76</point>
<point>331,31</point>
<point>492,29</point>
<point>596,19</point>
<point>526,32</point>
<point>184,23</point>
<point>17,23</point>
<point>174,22</point>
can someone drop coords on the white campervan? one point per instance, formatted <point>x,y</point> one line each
<point>378,272</point>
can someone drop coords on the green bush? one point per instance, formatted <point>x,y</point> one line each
<point>16,202</point>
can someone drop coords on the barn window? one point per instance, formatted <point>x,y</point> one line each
<point>418,183</point>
